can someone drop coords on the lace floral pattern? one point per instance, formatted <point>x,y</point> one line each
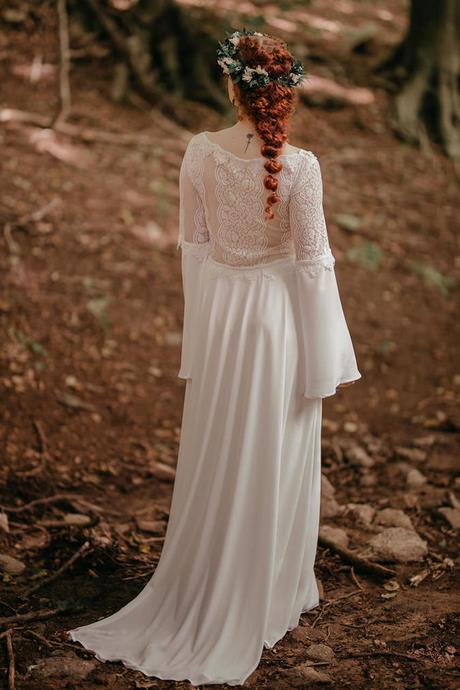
<point>308,224</point>
<point>225,193</point>
<point>285,177</point>
<point>312,267</point>
<point>236,196</point>
<point>195,228</point>
<point>239,193</point>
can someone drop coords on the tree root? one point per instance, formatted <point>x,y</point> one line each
<point>426,67</point>
<point>30,616</point>
<point>55,499</point>
<point>384,652</point>
<point>361,564</point>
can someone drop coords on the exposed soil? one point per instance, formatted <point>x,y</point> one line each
<point>91,313</point>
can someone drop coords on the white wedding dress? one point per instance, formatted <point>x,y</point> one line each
<point>264,340</point>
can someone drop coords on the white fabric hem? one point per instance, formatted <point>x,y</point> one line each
<point>199,680</point>
<point>331,391</point>
<point>312,267</point>
<point>199,250</point>
<point>309,607</point>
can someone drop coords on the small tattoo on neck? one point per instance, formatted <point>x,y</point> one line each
<point>248,137</point>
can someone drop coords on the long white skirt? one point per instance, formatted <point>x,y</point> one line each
<point>236,569</point>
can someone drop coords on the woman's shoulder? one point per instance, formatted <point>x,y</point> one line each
<point>308,168</point>
<point>219,136</point>
<point>195,145</point>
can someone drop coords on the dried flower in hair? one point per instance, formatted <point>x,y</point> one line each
<point>253,77</point>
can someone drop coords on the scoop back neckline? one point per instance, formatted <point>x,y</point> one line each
<point>246,160</point>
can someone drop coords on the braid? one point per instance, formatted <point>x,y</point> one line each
<point>269,107</point>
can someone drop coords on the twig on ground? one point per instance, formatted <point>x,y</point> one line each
<point>383,652</point>
<point>40,213</point>
<point>355,579</point>
<point>63,524</point>
<point>38,636</point>
<point>331,602</point>
<point>83,548</point>
<point>49,643</point>
<point>11,670</point>
<point>43,445</point>
<point>13,247</point>
<point>37,502</point>
<point>30,616</point>
<point>55,499</point>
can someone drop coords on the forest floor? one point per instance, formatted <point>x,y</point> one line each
<point>91,313</point>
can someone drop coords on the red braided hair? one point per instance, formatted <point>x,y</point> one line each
<point>269,107</point>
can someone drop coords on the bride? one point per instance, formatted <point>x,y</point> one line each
<point>264,341</point>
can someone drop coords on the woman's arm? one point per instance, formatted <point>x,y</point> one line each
<point>193,238</point>
<point>328,358</point>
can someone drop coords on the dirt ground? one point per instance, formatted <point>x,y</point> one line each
<point>91,313</point>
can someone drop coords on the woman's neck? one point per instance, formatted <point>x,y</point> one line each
<point>245,133</point>
<point>245,127</point>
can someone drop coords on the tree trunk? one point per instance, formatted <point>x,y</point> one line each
<point>428,64</point>
<point>161,51</point>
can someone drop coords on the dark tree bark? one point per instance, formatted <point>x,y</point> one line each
<point>160,50</point>
<point>427,66</point>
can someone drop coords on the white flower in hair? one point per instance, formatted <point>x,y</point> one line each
<point>247,74</point>
<point>228,60</point>
<point>260,70</point>
<point>235,40</point>
<point>222,64</point>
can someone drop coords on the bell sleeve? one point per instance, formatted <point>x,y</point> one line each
<point>327,355</point>
<point>193,239</point>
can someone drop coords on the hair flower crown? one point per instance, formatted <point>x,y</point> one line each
<point>252,77</point>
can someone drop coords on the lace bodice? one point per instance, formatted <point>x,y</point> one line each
<point>222,203</point>
<point>224,236</point>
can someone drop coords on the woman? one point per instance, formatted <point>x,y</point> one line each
<point>264,340</point>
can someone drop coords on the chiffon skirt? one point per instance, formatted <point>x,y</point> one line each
<point>237,566</point>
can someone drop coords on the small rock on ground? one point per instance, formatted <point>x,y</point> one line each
<point>153,526</point>
<point>335,534</point>
<point>61,665</point>
<point>452,516</point>
<point>398,544</point>
<point>11,565</point>
<point>303,674</point>
<point>358,456</point>
<point>392,517</point>
<point>320,652</point>
<point>305,634</point>
<point>327,490</point>
<point>363,512</point>
<point>413,454</point>
<point>415,478</point>
<point>330,508</point>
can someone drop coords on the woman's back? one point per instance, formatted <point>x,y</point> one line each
<point>226,196</point>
